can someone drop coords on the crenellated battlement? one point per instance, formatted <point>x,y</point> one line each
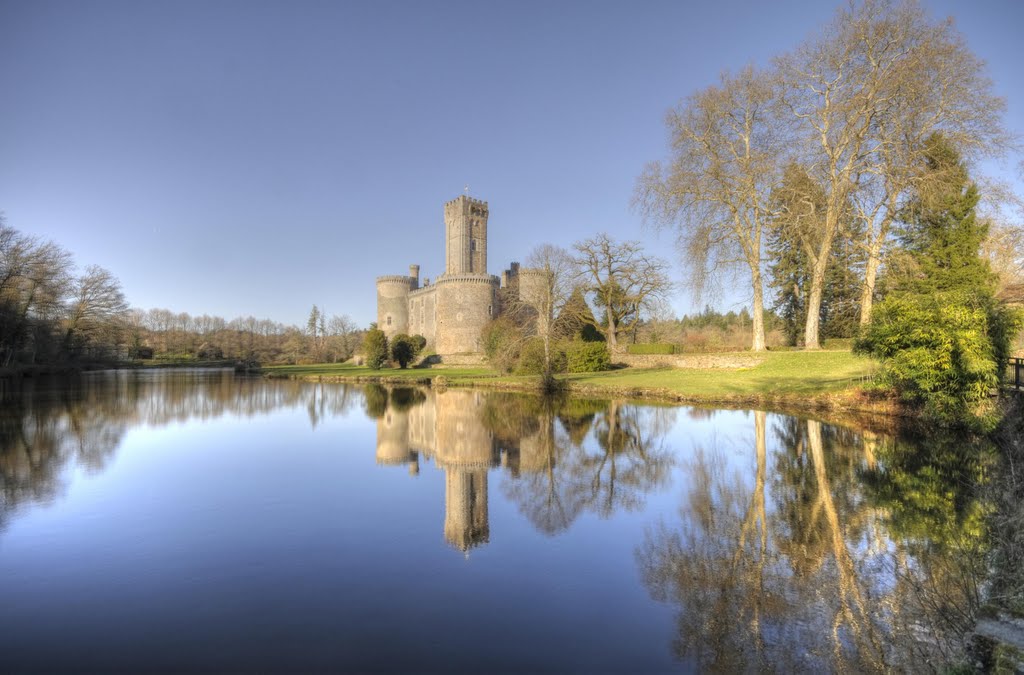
<point>395,279</point>
<point>465,199</point>
<point>467,279</point>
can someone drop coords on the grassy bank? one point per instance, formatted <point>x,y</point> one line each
<point>812,378</point>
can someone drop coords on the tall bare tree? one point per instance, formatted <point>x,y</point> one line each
<point>97,308</point>
<point>865,93</point>
<point>547,294</point>
<point>622,280</point>
<point>715,192</point>
<point>937,86</point>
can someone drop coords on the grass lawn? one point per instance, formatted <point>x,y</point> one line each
<point>791,373</point>
<point>348,370</point>
<point>779,373</point>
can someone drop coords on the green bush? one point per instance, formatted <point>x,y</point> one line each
<point>937,351</point>
<point>653,348</point>
<point>405,348</point>
<point>531,358</point>
<point>587,357</point>
<point>375,344</point>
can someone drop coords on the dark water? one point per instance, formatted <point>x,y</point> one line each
<point>195,520</point>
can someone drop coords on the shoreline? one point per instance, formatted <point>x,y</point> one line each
<point>851,403</point>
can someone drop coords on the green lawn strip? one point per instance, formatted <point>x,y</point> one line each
<point>779,373</point>
<point>789,373</point>
<point>344,370</point>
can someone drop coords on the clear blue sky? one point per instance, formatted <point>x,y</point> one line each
<point>240,157</point>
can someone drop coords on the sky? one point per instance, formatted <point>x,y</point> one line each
<point>243,158</point>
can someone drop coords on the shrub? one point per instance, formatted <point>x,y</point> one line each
<point>587,357</point>
<point>937,351</point>
<point>375,344</point>
<point>654,348</point>
<point>531,358</point>
<point>403,349</point>
<point>501,341</point>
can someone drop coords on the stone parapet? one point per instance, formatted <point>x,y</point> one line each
<point>467,278</point>
<point>395,279</point>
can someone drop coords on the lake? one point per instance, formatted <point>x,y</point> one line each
<point>195,519</point>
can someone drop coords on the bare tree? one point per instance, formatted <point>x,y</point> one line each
<point>97,305</point>
<point>715,192</point>
<point>622,280</point>
<point>937,86</point>
<point>1004,250</point>
<point>34,280</point>
<point>550,272</point>
<point>864,94</point>
<point>342,330</point>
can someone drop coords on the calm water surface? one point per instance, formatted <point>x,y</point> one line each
<point>195,520</point>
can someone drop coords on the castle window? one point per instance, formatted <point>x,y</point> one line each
<point>472,245</point>
<point>489,310</point>
<point>389,319</point>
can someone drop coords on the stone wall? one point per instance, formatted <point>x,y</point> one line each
<point>700,361</point>
<point>422,311</point>
<point>465,303</point>
<point>393,303</point>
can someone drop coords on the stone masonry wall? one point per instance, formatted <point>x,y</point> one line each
<point>465,303</point>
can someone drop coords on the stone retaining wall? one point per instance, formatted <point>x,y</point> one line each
<point>698,361</point>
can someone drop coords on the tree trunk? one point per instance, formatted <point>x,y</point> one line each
<point>612,342</point>
<point>758,344</point>
<point>867,295</point>
<point>812,326</point>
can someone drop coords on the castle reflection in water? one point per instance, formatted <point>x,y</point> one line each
<point>445,427</point>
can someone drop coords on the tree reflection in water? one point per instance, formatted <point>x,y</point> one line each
<point>825,549</point>
<point>562,457</point>
<point>814,556</point>
<point>50,424</point>
<point>602,456</point>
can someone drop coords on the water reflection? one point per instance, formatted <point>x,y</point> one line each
<point>601,456</point>
<point>50,424</point>
<point>776,543</point>
<point>819,552</point>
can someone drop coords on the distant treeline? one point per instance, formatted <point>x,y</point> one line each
<point>163,334</point>
<point>53,314</point>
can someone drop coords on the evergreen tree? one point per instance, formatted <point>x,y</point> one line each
<point>576,321</point>
<point>375,345</point>
<point>940,333</point>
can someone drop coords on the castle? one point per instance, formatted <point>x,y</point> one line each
<point>451,312</point>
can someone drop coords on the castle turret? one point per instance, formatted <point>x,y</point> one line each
<point>465,224</point>
<point>393,303</point>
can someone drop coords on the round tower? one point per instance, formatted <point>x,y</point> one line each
<point>465,303</point>
<point>393,303</point>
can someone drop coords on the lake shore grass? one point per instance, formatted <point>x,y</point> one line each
<point>806,380</point>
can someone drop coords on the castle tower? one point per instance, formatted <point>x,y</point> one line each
<point>465,508</point>
<point>465,236</point>
<point>393,303</point>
